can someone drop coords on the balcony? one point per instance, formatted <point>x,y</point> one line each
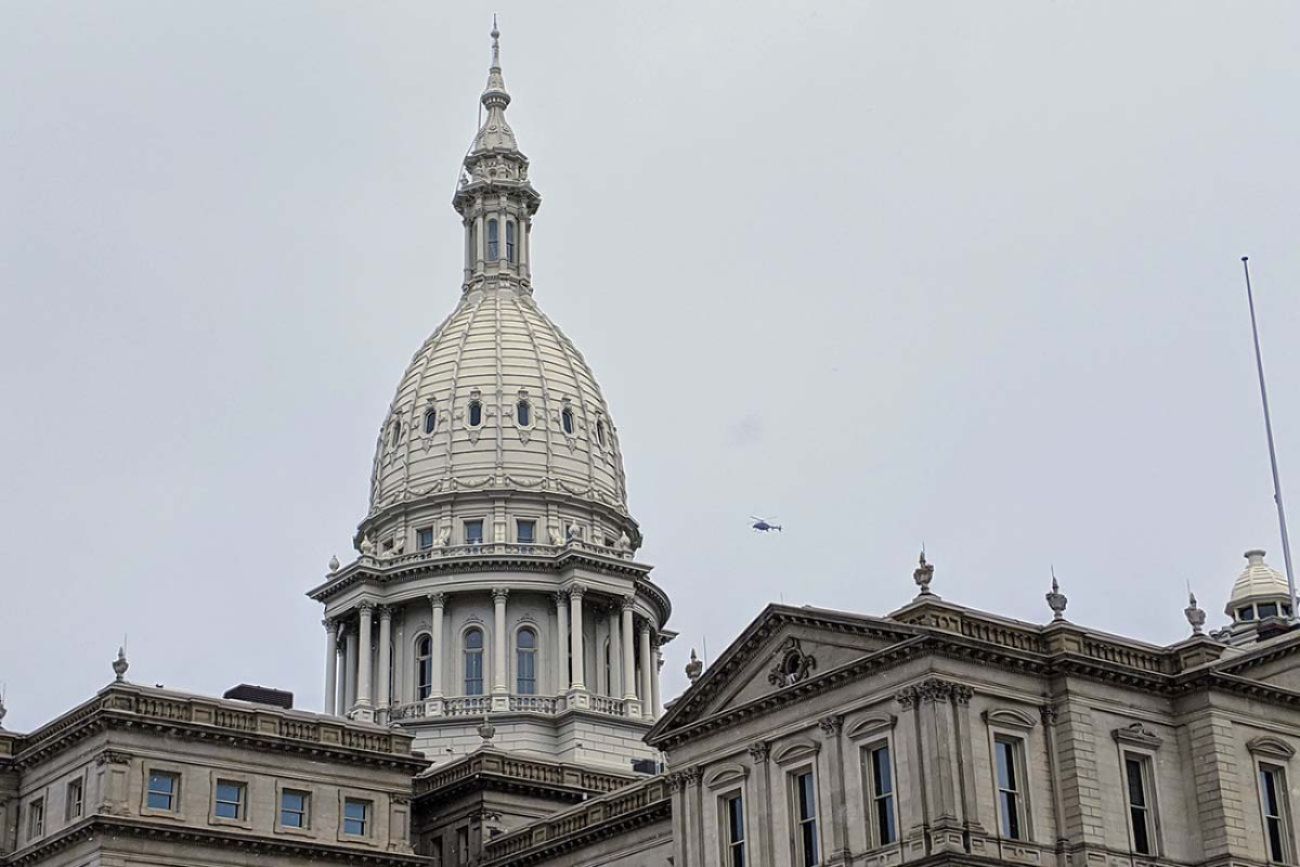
<point>477,706</point>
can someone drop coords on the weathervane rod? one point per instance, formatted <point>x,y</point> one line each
<point>1272,450</point>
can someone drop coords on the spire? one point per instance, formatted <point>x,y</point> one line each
<point>495,134</point>
<point>495,92</point>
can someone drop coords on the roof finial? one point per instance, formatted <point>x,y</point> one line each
<point>694,668</point>
<point>120,665</point>
<point>923,574</point>
<point>1056,599</point>
<point>1195,616</point>
<point>496,43</point>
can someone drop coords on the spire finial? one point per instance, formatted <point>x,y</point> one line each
<point>1056,599</point>
<point>1195,616</point>
<point>923,574</point>
<point>496,43</point>
<point>120,665</point>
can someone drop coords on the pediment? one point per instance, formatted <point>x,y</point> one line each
<point>784,648</point>
<point>1276,663</point>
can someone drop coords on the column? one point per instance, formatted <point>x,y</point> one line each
<point>349,670</point>
<point>577,686</point>
<point>500,688</point>
<point>656,706</point>
<point>437,602</point>
<point>341,684</point>
<point>362,709</point>
<point>831,727</point>
<point>646,664</point>
<point>479,243</point>
<point>629,660</point>
<point>561,642</point>
<point>385,656</point>
<point>331,666</point>
<point>759,752</point>
<point>615,666</point>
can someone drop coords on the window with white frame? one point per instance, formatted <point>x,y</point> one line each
<point>523,413</point>
<point>295,809</point>
<point>1276,809</point>
<point>803,792</point>
<point>526,661</point>
<point>475,413</point>
<point>228,800</point>
<point>356,817</point>
<point>474,532</point>
<point>878,769</point>
<point>163,791</point>
<point>1139,792</point>
<point>36,818</point>
<point>424,539</point>
<point>473,661</point>
<point>510,242</point>
<point>493,241</point>
<point>732,814</point>
<point>526,531</point>
<point>1009,759</point>
<point>423,667</point>
<point>74,799</point>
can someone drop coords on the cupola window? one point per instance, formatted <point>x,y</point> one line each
<point>474,662</point>
<point>423,667</point>
<point>430,420</point>
<point>493,241</point>
<point>523,413</point>
<point>510,242</point>
<point>600,433</point>
<point>397,432</point>
<point>526,662</point>
<point>475,413</point>
<point>566,421</point>
<point>1267,609</point>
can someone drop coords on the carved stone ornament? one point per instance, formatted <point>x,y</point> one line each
<point>694,668</point>
<point>831,726</point>
<point>120,665</point>
<point>113,757</point>
<point>923,575</point>
<point>1056,601</point>
<point>793,665</point>
<point>1195,615</point>
<point>759,751</point>
<point>1137,735</point>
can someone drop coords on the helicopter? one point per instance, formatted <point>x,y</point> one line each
<point>763,525</point>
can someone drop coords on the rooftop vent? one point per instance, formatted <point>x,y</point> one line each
<point>260,695</point>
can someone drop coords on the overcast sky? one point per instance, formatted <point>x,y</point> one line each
<point>958,273</point>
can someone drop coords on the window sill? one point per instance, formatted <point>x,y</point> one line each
<point>294,832</point>
<point>245,823</point>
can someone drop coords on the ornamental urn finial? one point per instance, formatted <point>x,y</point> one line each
<point>120,665</point>
<point>487,731</point>
<point>1056,600</point>
<point>3,711</point>
<point>334,563</point>
<point>1195,616</point>
<point>694,668</point>
<point>923,575</point>
<point>366,547</point>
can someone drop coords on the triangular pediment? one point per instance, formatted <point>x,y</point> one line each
<point>782,648</point>
<point>1275,662</point>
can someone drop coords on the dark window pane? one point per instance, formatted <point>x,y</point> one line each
<point>424,539</point>
<point>526,532</point>
<point>523,413</point>
<point>1136,791</point>
<point>566,421</point>
<point>430,421</point>
<point>475,413</point>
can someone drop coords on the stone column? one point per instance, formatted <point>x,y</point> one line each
<point>629,660</point>
<point>759,751</point>
<point>656,706</point>
<point>578,686</point>
<point>437,603</point>
<point>647,709</point>
<point>561,642</point>
<point>331,666</point>
<point>340,707</point>
<point>349,669</point>
<point>385,657</point>
<point>831,727</point>
<point>615,666</point>
<point>910,764</point>
<point>363,709</point>
<point>480,243</point>
<point>500,686</point>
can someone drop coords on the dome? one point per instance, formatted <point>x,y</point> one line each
<point>1257,581</point>
<point>498,397</point>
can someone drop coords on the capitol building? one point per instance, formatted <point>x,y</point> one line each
<point>492,658</point>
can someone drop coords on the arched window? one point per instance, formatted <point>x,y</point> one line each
<point>474,662</point>
<point>523,413</point>
<point>397,431</point>
<point>493,241</point>
<point>609,671</point>
<point>566,421</point>
<point>510,241</point>
<point>600,433</point>
<point>526,662</point>
<point>430,420</point>
<point>423,667</point>
<point>475,413</point>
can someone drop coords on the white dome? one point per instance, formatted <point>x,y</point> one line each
<point>1257,581</point>
<point>499,350</point>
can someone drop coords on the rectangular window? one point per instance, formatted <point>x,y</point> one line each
<point>74,800</point>
<point>805,816</point>
<point>1277,822</point>
<point>228,802</point>
<point>356,817</point>
<point>1137,778</point>
<point>880,773</point>
<point>525,532</point>
<point>462,845</point>
<point>1011,805</point>
<point>35,818</point>
<point>1267,609</point>
<point>733,830</point>
<point>295,808</point>
<point>163,791</point>
<point>473,532</point>
<point>424,538</point>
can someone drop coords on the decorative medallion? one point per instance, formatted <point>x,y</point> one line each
<point>793,665</point>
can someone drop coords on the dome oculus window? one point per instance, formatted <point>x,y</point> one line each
<point>475,413</point>
<point>493,240</point>
<point>524,413</point>
<point>430,420</point>
<point>566,421</point>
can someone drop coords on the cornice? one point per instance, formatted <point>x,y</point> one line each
<point>98,825</point>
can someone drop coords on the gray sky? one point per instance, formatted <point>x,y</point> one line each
<point>954,272</point>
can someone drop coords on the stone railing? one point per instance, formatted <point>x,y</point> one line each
<point>513,767</point>
<point>235,718</point>
<point>495,549</point>
<point>588,816</point>
<point>467,705</point>
<point>609,705</point>
<point>535,703</point>
<point>481,705</point>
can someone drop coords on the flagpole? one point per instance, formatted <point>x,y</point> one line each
<point>1272,451</point>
